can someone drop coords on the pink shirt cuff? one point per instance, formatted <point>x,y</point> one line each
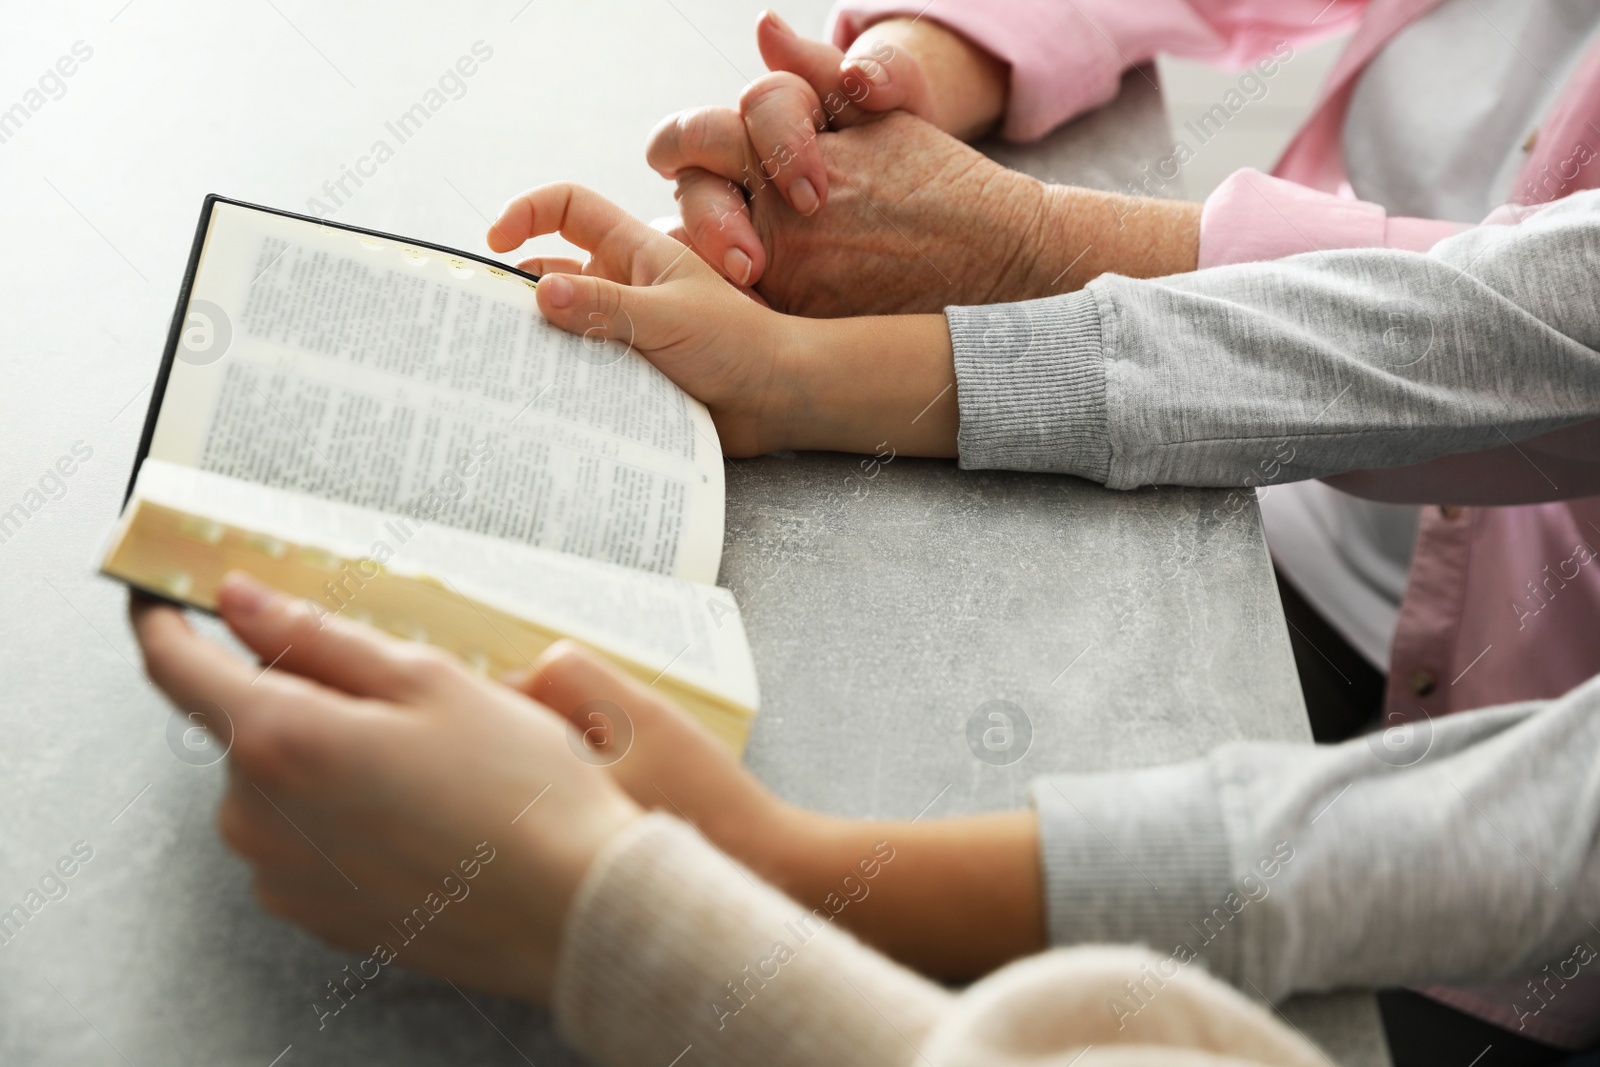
<point>1252,216</point>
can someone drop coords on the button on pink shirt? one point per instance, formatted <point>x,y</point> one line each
<point>1503,601</point>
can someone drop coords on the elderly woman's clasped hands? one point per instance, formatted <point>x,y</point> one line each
<point>824,193</point>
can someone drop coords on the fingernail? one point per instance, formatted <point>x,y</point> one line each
<point>778,23</point>
<point>738,265</point>
<point>244,596</point>
<point>560,290</point>
<point>803,195</point>
<point>872,70</point>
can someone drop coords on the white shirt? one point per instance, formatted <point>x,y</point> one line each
<point>1435,129</point>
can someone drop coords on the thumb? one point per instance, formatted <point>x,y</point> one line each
<point>568,676</point>
<point>616,713</point>
<point>888,79</point>
<point>600,310</point>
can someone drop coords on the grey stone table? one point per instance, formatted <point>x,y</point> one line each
<point>1130,628</point>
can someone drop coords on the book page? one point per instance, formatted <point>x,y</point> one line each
<point>363,370</point>
<point>684,630</point>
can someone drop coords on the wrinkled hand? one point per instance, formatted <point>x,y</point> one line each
<point>373,780</point>
<point>768,149</point>
<point>915,220</point>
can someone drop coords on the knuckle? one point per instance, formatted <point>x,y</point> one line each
<point>564,661</point>
<point>709,207</point>
<point>600,308</point>
<point>423,668</point>
<point>562,190</point>
<point>688,138</point>
<point>704,229</point>
<point>275,754</point>
<point>301,627</point>
<point>659,151</point>
<point>904,68</point>
<point>564,654</point>
<point>694,135</point>
<point>778,86</point>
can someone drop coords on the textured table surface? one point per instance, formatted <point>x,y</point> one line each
<point>885,605</point>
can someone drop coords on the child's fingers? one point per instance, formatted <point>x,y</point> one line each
<point>571,680</point>
<point>567,675</point>
<point>620,245</point>
<point>601,704</point>
<point>657,752</point>
<point>717,223</point>
<point>782,115</point>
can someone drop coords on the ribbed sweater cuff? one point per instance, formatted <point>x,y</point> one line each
<point>1140,856</point>
<point>1031,385</point>
<point>670,944</point>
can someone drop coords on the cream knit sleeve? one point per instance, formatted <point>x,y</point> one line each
<point>675,954</point>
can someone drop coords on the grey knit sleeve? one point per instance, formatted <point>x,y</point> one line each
<point>1340,360</point>
<point>1300,868</point>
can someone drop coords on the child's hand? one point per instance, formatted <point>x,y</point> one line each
<point>371,779</point>
<point>669,762</point>
<point>961,898</point>
<point>648,291</point>
<point>771,381</point>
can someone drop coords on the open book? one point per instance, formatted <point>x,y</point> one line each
<point>391,431</point>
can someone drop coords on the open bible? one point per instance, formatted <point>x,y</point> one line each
<point>391,431</point>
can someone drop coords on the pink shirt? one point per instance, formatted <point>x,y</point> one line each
<point>1503,602</point>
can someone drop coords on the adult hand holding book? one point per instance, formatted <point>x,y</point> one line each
<point>372,778</point>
